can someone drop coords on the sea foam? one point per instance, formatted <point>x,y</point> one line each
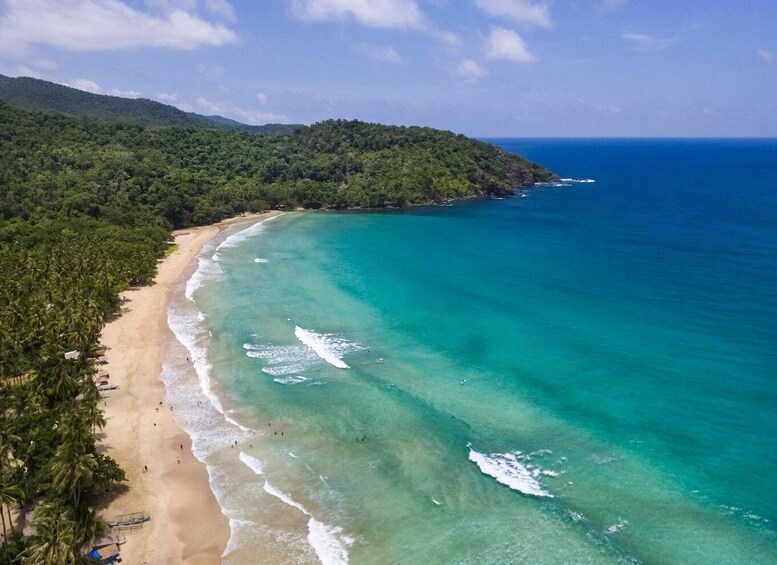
<point>189,334</point>
<point>512,470</point>
<point>207,270</point>
<point>329,542</point>
<point>236,238</point>
<point>252,463</point>
<point>286,362</point>
<point>321,345</point>
<point>578,180</point>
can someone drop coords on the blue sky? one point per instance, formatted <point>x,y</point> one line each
<point>479,67</point>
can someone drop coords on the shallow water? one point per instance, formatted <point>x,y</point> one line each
<point>586,374</point>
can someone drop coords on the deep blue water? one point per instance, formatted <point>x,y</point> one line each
<point>584,374</point>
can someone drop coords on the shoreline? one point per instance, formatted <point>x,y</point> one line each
<point>187,524</point>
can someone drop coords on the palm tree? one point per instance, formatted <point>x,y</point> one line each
<point>89,526</point>
<point>9,495</point>
<point>71,472</point>
<point>59,377</point>
<point>76,432</point>
<point>53,542</point>
<point>91,414</point>
<point>26,398</point>
<point>7,439</point>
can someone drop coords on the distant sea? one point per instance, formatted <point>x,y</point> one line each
<point>587,373</point>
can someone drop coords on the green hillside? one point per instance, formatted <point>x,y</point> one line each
<point>55,166</point>
<point>42,96</point>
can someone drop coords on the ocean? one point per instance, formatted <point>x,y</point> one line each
<point>585,373</point>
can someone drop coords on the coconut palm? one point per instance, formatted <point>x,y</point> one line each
<point>59,377</point>
<point>91,414</point>
<point>71,472</point>
<point>9,495</point>
<point>53,542</point>
<point>27,399</point>
<point>89,526</point>
<point>7,439</point>
<point>76,432</point>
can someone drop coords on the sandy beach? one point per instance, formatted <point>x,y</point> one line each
<point>187,525</point>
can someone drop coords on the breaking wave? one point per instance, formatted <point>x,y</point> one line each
<point>327,346</point>
<point>287,361</point>
<point>579,180</point>
<point>512,469</point>
<point>329,542</point>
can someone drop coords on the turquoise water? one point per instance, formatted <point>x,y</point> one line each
<point>584,374</point>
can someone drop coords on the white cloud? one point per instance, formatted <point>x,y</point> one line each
<point>91,86</point>
<point>765,56</point>
<point>382,54</point>
<point>221,8</point>
<point>124,93</point>
<point>165,97</point>
<point>262,97</point>
<point>394,14</point>
<point>470,71</point>
<point>521,11</point>
<point>507,45</point>
<point>646,42</point>
<point>228,110</point>
<point>85,84</point>
<point>95,25</point>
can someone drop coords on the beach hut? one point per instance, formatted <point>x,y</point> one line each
<point>106,554</point>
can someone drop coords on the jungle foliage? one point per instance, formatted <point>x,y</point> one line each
<point>54,166</point>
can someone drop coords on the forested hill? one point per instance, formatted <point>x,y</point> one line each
<point>60,167</point>
<point>42,96</point>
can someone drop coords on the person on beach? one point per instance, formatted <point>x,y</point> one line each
<point>178,459</point>
<point>181,447</point>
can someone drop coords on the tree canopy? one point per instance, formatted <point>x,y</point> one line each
<point>54,166</point>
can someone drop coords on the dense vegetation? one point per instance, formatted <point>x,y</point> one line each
<point>58,282</point>
<point>53,166</point>
<point>39,95</point>
<point>85,209</point>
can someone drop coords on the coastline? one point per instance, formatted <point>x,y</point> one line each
<point>187,524</point>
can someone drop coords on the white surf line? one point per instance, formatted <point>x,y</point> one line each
<point>319,347</point>
<point>509,471</point>
<point>329,543</point>
<point>239,236</point>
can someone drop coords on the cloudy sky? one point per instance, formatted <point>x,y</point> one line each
<point>479,67</point>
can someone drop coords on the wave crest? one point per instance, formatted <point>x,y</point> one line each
<point>511,469</point>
